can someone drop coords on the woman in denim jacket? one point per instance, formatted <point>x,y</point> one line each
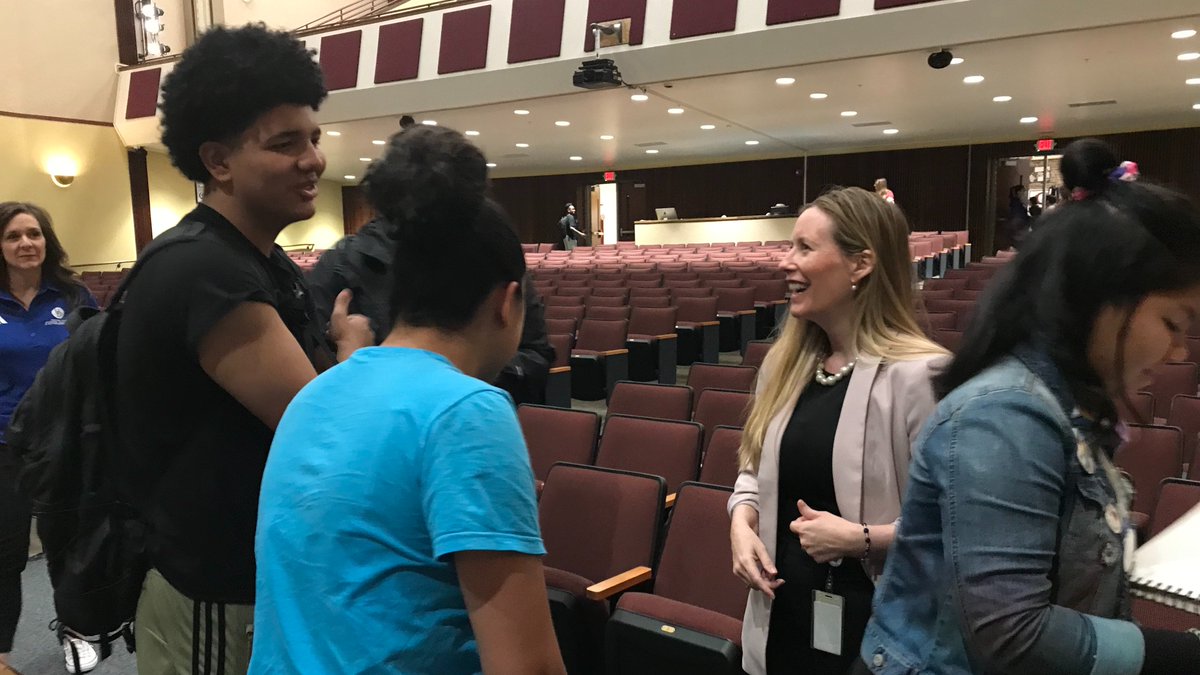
<point>1014,539</point>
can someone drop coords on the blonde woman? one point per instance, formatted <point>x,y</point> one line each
<point>882,191</point>
<point>824,458</point>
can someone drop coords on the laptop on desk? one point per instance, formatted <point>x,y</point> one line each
<point>666,214</point>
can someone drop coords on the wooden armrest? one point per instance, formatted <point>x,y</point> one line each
<point>702,324</point>
<point>560,369</point>
<point>667,336</point>
<point>613,352</point>
<point>670,500</point>
<point>623,581</point>
<point>744,312</point>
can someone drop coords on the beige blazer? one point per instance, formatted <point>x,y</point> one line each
<point>886,405</point>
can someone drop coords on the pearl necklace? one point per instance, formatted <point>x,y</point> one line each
<point>830,379</point>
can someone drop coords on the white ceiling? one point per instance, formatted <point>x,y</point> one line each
<point>1135,64</point>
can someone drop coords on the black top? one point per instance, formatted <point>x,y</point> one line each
<point>194,455</point>
<point>363,263</point>
<point>567,225</point>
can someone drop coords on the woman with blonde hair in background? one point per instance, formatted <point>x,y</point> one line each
<point>881,189</point>
<point>824,457</point>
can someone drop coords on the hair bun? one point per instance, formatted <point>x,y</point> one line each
<point>1087,164</point>
<point>431,181</point>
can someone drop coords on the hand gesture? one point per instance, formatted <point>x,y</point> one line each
<point>348,331</point>
<point>751,563</point>
<point>826,537</point>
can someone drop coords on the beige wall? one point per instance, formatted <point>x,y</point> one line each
<point>721,229</point>
<point>94,216</point>
<point>286,14</point>
<point>59,58</point>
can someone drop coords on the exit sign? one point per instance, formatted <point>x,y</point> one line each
<point>1046,145</point>
<point>610,176</point>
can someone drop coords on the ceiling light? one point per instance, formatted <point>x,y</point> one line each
<point>1028,120</point>
<point>957,61</point>
<point>519,111</point>
<point>639,98</point>
<point>675,111</point>
<point>1183,34</point>
<point>429,123</point>
<point>364,159</point>
<point>606,137</point>
<point>1194,80</point>
<point>785,80</point>
<point>751,142</point>
<point>575,158</point>
<point>849,113</point>
<point>562,123</point>
<point>1196,107</point>
<point>973,79</point>
<point>522,145</point>
<point>651,151</point>
<point>1190,56</point>
<point>333,133</point>
<point>471,132</point>
<point>818,96</point>
<point>491,165</point>
<point>379,142</point>
<point>891,132</point>
<point>349,177</point>
<point>708,127</point>
<point>1002,99</point>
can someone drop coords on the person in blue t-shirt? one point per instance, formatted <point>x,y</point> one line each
<point>397,526</point>
<point>37,292</point>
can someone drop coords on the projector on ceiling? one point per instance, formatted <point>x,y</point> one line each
<point>598,74</point>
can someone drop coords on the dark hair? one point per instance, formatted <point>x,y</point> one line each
<point>1125,241</point>
<point>454,245</point>
<point>55,268</point>
<point>568,207</point>
<point>226,81</point>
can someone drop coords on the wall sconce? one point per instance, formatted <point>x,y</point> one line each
<point>62,170</point>
<point>150,27</point>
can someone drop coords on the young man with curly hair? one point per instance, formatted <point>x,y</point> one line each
<point>217,337</point>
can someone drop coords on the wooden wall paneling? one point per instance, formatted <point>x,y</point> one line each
<point>356,211</point>
<point>139,190</point>
<point>127,51</point>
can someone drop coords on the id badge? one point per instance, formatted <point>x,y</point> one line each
<point>827,622</point>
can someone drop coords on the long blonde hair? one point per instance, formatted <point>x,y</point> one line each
<point>885,322</point>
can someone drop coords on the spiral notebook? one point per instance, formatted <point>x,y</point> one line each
<point>1167,568</point>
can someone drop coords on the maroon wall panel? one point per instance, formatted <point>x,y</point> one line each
<point>399,54</point>
<point>702,17</point>
<point>464,40</point>
<point>536,30</point>
<point>339,59</point>
<point>888,4</point>
<point>143,93</point>
<point>611,10</point>
<point>787,11</point>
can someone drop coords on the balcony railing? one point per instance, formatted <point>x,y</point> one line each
<point>366,10</point>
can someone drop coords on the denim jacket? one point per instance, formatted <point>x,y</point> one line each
<point>1010,554</point>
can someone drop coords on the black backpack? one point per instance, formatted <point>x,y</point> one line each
<point>64,435</point>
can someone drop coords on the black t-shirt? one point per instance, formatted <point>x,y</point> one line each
<point>194,455</point>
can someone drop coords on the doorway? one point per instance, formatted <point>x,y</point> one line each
<point>602,212</point>
<point>1022,189</point>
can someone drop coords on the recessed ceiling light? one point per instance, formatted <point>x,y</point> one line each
<point>520,111</point>
<point>1002,99</point>
<point>651,151</point>
<point>785,80</point>
<point>639,98</point>
<point>491,165</point>
<point>1190,56</point>
<point>708,127</point>
<point>364,159</point>
<point>522,145</point>
<point>379,142</point>
<point>1028,120</point>
<point>471,132</point>
<point>751,142</point>
<point>429,123</point>
<point>818,96</point>
<point>575,158</point>
<point>562,123</point>
<point>606,137</point>
<point>333,133</point>
<point>849,113</point>
<point>1196,107</point>
<point>973,79</point>
<point>1183,34</point>
<point>957,61</point>
<point>349,177</point>
<point>1194,80</point>
<point>891,132</point>
<point>675,111</point>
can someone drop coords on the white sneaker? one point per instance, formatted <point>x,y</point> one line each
<point>88,658</point>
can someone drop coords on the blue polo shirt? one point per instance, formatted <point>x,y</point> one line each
<point>26,338</point>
